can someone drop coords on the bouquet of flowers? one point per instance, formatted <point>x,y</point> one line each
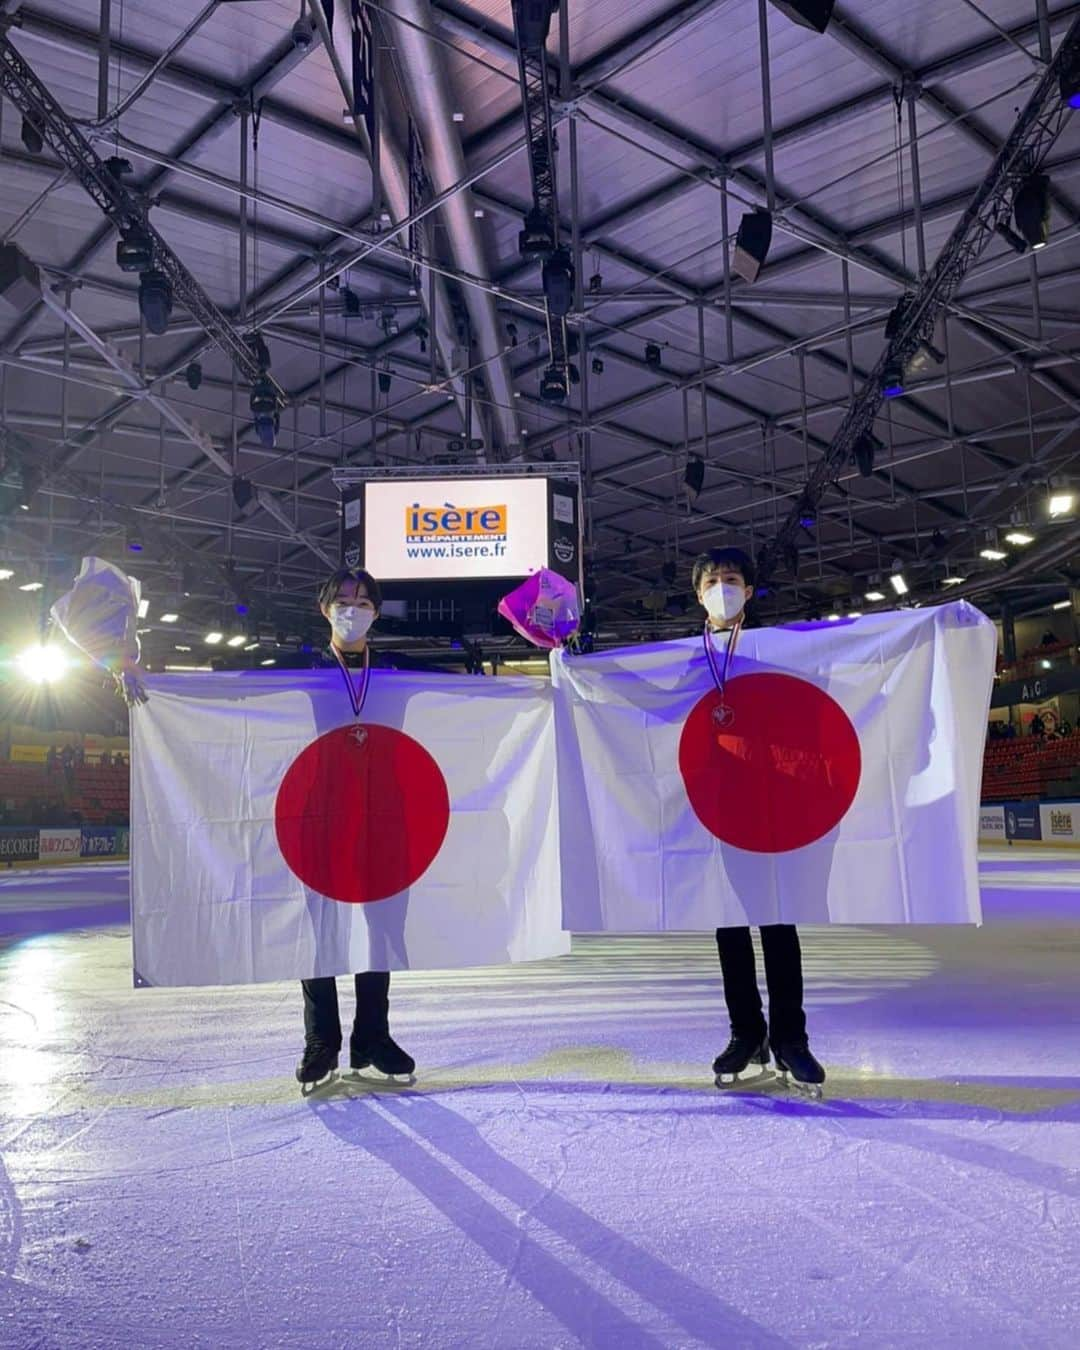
<point>544,609</point>
<point>99,615</point>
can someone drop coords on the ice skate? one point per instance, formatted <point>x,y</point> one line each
<point>317,1067</point>
<point>380,1051</point>
<point>798,1068</point>
<point>745,1059</point>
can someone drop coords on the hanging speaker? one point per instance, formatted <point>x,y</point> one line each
<point>812,14</point>
<point>20,281</point>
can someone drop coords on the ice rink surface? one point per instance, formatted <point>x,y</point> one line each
<point>563,1173</point>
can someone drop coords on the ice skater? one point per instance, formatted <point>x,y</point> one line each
<point>723,581</point>
<point>350,601</point>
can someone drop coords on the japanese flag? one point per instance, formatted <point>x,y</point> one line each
<point>835,780</point>
<point>274,837</point>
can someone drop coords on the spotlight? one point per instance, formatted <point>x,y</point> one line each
<point>532,18</point>
<point>535,240</point>
<point>652,355</point>
<point>31,586</point>
<point>213,638</point>
<point>143,608</point>
<point>258,348</point>
<point>596,283</point>
<point>384,381</point>
<point>42,665</point>
<point>243,496</point>
<point>193,375</point>
<point>237,640</point>
<point>898,583</point>
<point>864,451</point>
<point>302,35</point>
<point>597,366</point>
<point>6,573</point>
<point>953,580</point>
<point>119,167</point>
<point>1031,209</point>
<point>694,475</point>
<point>1011,237</point>
<point>873,597</point>
<point>350,302</point>
<point>1062,604</point>
<point>512,334</point>
<point>1020,538</point>
<point>992,555</point>
<point>31,137</point>
<point>814,14</point>
<point>155,300</point>
<point>1061,503</point>
<point>170,617</point>
<point>558,281</point>
<point>134,544</point>
<point>752,244</point>
<point>264,410</point>
<point>455,446</point>
<point>553,385</point>
<point>892,380</point>
<point>134,250</point>
<point>476,443</point>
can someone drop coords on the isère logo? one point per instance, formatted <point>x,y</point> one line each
<point>457,524</point>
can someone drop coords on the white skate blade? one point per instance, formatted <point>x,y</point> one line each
<point>811,1090</point>
<point>306,1089</point>
<point>753,1073</point>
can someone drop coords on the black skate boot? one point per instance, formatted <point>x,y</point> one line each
<point>379,1050</point>
<point>317,1066</point>
<point>744,1059</point>
<point>798,1067</point>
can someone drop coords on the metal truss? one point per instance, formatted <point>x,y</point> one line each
<point>122,207</point>
<point>1037,129</point>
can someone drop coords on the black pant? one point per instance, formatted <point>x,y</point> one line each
<point>322,1021</point>
<point>783,975</point>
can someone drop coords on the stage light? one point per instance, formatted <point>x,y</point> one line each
<point>134,250</point>
<point>181,648</point>
<point>1031,209</point>
<point>42,665</point>
<point>350,303</point>
<point>854,613</point>
<point>752,244</point>
<point>898,583</point>
<point>143,608</point>
<point>953,581</point>
<point>251,646</point>
<point>213,638</point>
<point>6,573</point>
<point>812,14</point>
<point>237,640</point>
<point>155,300</point>
<point>864,451</point>
<point>31,481</point>
<point>31,137</point>
<point>557,276</point>
<point>1020,538</point>
<point>385,381</point>
<point>1011,237</point>
<point>134,544</point>
<point>993,554</point>
<point>31,586</point>
<point>535,239</point>
<point>874,596</point>
<point>652,355</point>
<point>171,617</point>
<point>892,380</point>
<point>833,618</point>
<point>512,334</point>
<point>694,474</point>
<point>243,495</point>
<point>597,366</point>
<point>596,283</point>
<point>193,375</point>
<point>553,385</point>
<point>1062,604</point>
<point>1070,82</point>
<point>264,410</point>
<point>1061,503</point>
<point>270,661</point>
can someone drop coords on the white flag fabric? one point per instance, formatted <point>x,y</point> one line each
<point>272,838</point>
<point>836,780</point>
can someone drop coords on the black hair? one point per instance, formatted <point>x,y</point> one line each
<point>716,558</point>
<point>328,591</point>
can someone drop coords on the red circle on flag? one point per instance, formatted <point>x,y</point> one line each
<point>361,813</point>
<point>775,768</point>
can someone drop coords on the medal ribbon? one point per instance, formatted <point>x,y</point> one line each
<point>355,699</point>
<point>720,675</point>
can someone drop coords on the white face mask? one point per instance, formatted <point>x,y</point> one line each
<point>350,623</point>
<point>724,602</point>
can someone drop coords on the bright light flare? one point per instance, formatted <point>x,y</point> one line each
<point>42,665</point>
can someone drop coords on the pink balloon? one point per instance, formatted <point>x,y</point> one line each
<point>544,608</point>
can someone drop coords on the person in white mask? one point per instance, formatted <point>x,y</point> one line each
<point>350,601</point>
<point>723,581</point>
